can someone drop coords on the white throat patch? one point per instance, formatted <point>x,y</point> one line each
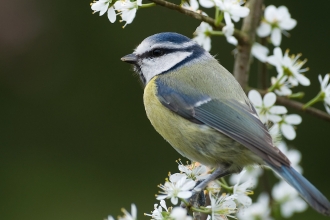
<point>155,66</point>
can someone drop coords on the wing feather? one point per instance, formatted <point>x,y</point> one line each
<point>232,118</point>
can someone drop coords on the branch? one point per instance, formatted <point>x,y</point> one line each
<point>239,35</point>
<point>299,106</point>
<point>250,24</point>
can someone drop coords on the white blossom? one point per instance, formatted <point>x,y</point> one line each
<point>175,177</point>
<point>283,86</point>
<point>325,89</point>
<point>258,210</point>
<point>127,9</point>
<point>251,173</point>
<point>194,171</point>
<point>288,198</point>
<point>228,31</point>
<point>241,191</point>
<point>289,66</point>
<point>207,3</point>
<point>260,52</point>
<point>232,10</point>
<point>222,206</point>
<point>203,35</point>
<point>286,126</point>
<point>158,209</point>
<point>276,21</point>
<point>293,155</point>
<point>265,107</point>
<point>127,215</point>
<point>102,6</point>
<point>179,213</point>
<point>175,190</point>
<point>192,5</point>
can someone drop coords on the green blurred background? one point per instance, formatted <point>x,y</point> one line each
<point>75,141</point>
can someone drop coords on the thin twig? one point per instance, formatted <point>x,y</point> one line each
<point>299,106</point>
<point>250,24</point>
<point>239,35</point>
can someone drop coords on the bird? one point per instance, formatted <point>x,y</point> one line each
<point>197,106</point>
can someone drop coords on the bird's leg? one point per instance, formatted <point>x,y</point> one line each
<point>217,173</point>
<point>196,197</point>
<point>200,197</point>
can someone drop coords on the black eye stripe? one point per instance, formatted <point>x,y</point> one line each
<point>149,54</point>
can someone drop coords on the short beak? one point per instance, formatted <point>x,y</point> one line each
<point>130,58</point>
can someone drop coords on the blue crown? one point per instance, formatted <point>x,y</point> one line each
<point>168,37</point>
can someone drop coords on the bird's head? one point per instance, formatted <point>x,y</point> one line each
<point>161,53</point>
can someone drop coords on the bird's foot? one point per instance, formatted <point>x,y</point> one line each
<point>197,199</point>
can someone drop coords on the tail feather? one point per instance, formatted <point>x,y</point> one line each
<point>308,192</point>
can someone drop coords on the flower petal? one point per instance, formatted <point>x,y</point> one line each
<point>325,80</point>
<point>284,91</point>
<point>270,13</point>
<point>303,80</point>
<point>206,3</point>
<point>207,44</point>
<point>163,204</point>
<point>288,131</point>
<point>194,4</point>
<point>244,200</point>
<point>278,53</point>
<point>176,177</point>
<point>228,30</point>
<point>232,40</point>
<point>272,60</point>
<point>260,52</point>
<point>129,15</point>
<point>255,98</point>
<point>188,185</point>
<point>160,197</point>
<point>275,129</point>
<point>276,37</point>
<point>276,109</point>
<point>263,118</point>
<point>288,24</point>
<point>100,6</point>
<point>264,29</point>
<point>269,99</point>
<point>111,15</point>
<point>293,119</point>
<point>227,18</point>
<point>178,213</point>
<point>239,11</point>
<point>174,200</point>
<point>185,194</point>
<point>274,118</point>
<point>133,211</point>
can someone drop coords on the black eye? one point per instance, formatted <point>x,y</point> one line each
<point>157,52</point>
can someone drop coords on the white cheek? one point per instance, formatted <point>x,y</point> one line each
<point>153,67</point>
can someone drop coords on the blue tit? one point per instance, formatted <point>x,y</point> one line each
<point>202,111</point>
